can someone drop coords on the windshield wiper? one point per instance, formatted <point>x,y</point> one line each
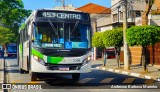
<point>76,24</point>
<point>54,29</point>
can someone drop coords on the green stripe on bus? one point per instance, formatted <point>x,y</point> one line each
<point>20,45</point>
<point>37,53</point>
<point>54,60</point>
<point>20,51</point>
<point>22,26</point>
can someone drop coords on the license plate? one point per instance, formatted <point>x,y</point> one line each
<point>63,68</point>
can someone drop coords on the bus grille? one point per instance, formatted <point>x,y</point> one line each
<point>57,67</point>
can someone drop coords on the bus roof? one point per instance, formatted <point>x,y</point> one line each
<point>12,44</point>
<point>58,9</point>
<point>48,9</point>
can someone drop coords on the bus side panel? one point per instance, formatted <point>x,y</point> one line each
<point>20,55</point>
<point>25,55</point>
<point>21,50</point>
<point>26,48</point>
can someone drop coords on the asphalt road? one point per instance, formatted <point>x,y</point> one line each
<point>96,81</point>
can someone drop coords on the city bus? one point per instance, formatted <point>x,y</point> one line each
<point>12,50</point>
<point>55,41</point>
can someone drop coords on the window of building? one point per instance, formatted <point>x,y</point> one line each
<point>138,13</point>
<point>121,15</point>
<point>131,14</point>
<point>114,17</point>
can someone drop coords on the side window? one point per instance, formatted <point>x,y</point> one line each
<point>18,40</point>
<point>25,34</point>
<point>21,36</point>
<point>27,29</point>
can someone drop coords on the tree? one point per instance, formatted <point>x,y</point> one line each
<point>148,7</point>
<point>114,38</point>
<point>97,41</point>
<point>5,35</point>
<point>12,11</point>
<point>12,14</point>
<point>149,4</point>
<point>143,36</point>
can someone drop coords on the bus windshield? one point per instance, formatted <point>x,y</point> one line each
<point>62,35</point>
<point>12,48</point>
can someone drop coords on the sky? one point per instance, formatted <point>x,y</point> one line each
<point>39,4</point>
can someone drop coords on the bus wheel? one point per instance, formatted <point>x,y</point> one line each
<point>33,76</point>
<point>75,76</point>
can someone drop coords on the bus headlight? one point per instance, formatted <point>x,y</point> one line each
<point>41,61</point>
<point>35,57</point>
<point>87,60</point>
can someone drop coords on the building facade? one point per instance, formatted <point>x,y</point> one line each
<point>97,12</point>
<point>135,10</point>
<point>105,21</point>
<point>68,7</point>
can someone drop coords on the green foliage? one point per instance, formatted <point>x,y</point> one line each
<point>12,14</point>
<point>5,35</point>
<point>97,40</point>
<point>113,38</point>
<point>143,35</point>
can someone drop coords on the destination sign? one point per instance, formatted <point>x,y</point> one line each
<point>62,15</point>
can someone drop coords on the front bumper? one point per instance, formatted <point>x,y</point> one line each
<point>76,68</point>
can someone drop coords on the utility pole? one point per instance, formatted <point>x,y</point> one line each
<point>95,30</point>
<point>126,49</point>
<point>63,2</point>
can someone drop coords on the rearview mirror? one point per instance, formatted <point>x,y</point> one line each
<point>33,39</point>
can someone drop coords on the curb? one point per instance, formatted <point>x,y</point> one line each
<point>1,73</point>
<point>128,73</point>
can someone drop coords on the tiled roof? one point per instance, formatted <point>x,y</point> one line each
<point>157,3</point>
<point>94,8</point>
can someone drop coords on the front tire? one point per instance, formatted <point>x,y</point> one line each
<point>76,76</point>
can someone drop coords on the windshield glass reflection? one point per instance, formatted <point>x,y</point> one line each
<point>61,35</point>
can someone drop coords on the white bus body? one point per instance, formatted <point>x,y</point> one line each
<point>55,41</point>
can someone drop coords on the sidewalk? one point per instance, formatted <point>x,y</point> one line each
<point>135,70</point>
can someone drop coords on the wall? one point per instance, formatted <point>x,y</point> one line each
<point>135,54</point>
<point>157,3</point>
<point>106,28</point>
<point>155,20</point>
